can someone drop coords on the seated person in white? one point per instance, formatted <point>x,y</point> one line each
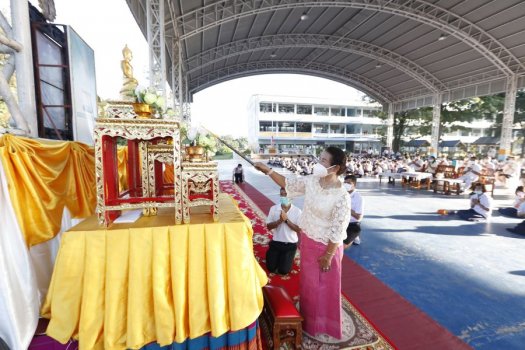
<point>510,172</point>
<point>471,173</point>
<point>518,208</point>
<point>443,160</point>
<point>417,164</point>
<point>432,165</point>
<point>480,205</point>
<point>488,164</point>
<point>282,221</point>
<point>354,227</point>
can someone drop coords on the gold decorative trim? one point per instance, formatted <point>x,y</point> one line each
<point>200,177</point>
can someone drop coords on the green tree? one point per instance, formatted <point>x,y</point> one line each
<point>413,119</point>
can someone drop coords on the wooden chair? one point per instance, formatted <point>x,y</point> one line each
<point>440,184</point>
<point>488,179</point>
<point>282,318</point>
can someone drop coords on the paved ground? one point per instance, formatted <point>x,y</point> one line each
<point>469,277</point>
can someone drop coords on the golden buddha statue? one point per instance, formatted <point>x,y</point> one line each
<point>130,83</point>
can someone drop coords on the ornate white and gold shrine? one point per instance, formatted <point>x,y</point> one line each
<point>153,147</point>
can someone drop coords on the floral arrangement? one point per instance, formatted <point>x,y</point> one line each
<point>200,138</point>
<point>150,97</point>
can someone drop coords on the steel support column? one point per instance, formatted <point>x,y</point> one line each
<point>186,107</point>
<point>390,126</point>
<point>176,79</point>
<point>436,120</point>
<point>508,117</point>
<point>156,45</point>
<point>25,81</point>
<point>180,87</point>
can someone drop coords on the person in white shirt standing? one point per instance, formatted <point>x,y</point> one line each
<point>354,227</point>
<point>480,205</point>
<point>282,221</point>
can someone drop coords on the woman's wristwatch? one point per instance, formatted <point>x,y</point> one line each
<point>269,172</point>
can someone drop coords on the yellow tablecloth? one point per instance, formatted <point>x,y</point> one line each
<point>152,280</point>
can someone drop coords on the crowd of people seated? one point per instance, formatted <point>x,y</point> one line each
<point>297,165</point>
<point>468,169</point>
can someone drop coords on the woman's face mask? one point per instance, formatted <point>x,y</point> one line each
<point>520,194</point>
<point>478,191</point>
<point>319,170</point>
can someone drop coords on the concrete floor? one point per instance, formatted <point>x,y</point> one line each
<point>469,277</point>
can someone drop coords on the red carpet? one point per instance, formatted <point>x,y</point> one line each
<point>400,322</point>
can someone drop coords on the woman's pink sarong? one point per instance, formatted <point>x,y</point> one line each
<point>320,292</point>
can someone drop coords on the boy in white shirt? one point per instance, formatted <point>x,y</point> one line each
<point>354,227</point>
<point>282,221</point>
<point>480,205</point>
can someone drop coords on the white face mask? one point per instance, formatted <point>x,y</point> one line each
<point>348,187</point>
<point>520,194</point>
<point>478,192</point>
<point>319,170</point>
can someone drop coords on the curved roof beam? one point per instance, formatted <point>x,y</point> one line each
<point>317,69</point>
<point>342,44</point>
<point>223,11</point>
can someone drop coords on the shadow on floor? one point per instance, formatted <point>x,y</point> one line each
<point>464,229</point>
<point>518,272</point>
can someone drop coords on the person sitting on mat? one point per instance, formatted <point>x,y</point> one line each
<point>354,227</point>
<point>480,205</point>
<point>518,209</point>
<point>282,221</point>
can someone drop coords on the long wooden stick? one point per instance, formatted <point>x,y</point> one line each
<point>230,147</point>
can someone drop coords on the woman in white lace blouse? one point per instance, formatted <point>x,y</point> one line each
<point>326,214</point>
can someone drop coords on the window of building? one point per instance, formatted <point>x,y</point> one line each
<point>337,129</point>
<point>266,127</point>
<point>304,109</point>
<point>322,111</point>
<point>353,129</point>
<point>267,107</point>
<point>367,112</point>
<point>350,112</point>
<point>321,128</point>
<point>286,127</point>
<point>286,108</point>
<point>337,111</point>
<point>303,127</point>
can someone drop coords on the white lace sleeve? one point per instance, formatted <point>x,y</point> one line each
<point>340,218</point>
<point>295,186</point>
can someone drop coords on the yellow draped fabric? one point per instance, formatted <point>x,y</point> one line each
<point>132,284</point>
<point>122,161</point>
<point>43,177</point>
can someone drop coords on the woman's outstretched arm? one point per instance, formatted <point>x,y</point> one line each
<point>276,177</point>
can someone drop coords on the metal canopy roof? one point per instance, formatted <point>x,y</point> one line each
<point>389,49</point>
